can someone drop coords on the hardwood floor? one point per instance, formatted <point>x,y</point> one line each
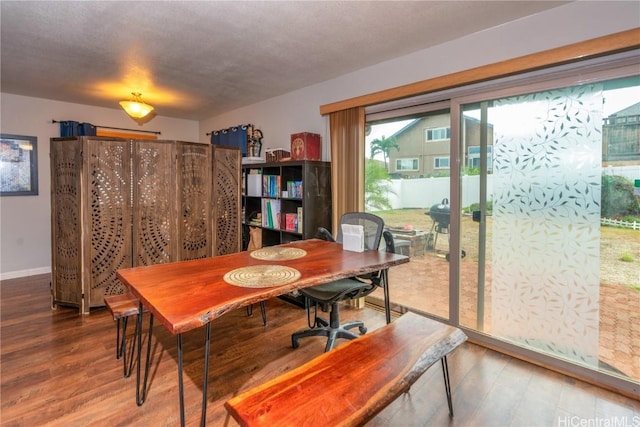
<point>58,368</point>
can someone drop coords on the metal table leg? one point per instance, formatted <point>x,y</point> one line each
<point>141,394</point>
<point>205,381</point>
<point>447,384</point>
<point>387,303</point>
<point>128,368</point>
<point>141,389</point>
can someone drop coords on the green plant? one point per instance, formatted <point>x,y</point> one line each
<point>476,207</point>
<point>468,170</point>
<point>626,257</point>
<point>377,185</point>
<point>384,145</point>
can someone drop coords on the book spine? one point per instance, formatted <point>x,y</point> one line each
<point>291,222</point>
<point>275,213</point>
<point>278,187</point>
<point>270,214</point>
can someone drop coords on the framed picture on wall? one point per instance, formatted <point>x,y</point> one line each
<point>18,165</point>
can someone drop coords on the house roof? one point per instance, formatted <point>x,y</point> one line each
<point>406,127</point>
<point>633,110</point>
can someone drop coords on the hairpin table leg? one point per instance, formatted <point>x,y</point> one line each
<point>387,303</point>
<point>205,381</point>
<point>447,384</point>
<point>141,394</point>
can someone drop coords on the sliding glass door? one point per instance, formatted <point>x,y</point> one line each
<point>558,254</point>
<point>407,179</point>
<point>519,206</point>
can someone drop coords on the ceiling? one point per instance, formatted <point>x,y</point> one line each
<point>197,59</point>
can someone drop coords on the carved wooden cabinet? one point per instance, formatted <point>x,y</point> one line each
<point>118,203</point>
<point>226,200</point>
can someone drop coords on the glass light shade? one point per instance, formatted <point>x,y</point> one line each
<point>136,107</point>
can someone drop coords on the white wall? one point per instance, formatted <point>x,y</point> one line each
<point>25,221</point>
<point>24,228</point>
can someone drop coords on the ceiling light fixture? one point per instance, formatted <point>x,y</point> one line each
<point>136,107</point>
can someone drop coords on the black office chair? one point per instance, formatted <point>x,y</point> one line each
<point>331,294</point>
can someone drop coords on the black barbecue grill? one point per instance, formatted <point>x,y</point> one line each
<point>440,213</point>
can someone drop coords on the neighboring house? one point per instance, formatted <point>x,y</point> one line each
<point>424,144</point>
<point>424,147</point>
<point>621,137</point>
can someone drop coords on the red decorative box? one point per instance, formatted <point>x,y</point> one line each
<point>306,146</point>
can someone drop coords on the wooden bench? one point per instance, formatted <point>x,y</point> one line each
<point>349,385</point>
<point>121,307</point>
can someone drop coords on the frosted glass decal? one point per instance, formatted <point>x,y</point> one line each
<point>546,220</point>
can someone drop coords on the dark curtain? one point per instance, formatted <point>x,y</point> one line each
<point>73,128</point>
<point>235,136</point>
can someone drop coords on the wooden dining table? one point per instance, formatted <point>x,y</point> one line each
<point>187,295</point>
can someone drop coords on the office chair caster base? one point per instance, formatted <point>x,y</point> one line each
<point>332,335</point>
<point>321,323</point>
<point>358,323</point>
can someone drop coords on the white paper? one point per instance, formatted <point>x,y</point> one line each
<point>353,237</point>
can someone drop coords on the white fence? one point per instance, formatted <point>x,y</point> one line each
<point>622,224</point>
<point>425,192</point>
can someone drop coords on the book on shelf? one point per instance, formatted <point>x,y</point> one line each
<point>257,220</point>
<point>254,184</point>
<point>291,222</point>
<point>271,213</point>
<point>271,186</point>
<point>299,210</point>
<point>294,189</point>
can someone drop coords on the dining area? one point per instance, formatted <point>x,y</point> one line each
<point>59,369</point>
<point>189,295</point>
<point>202,355</point>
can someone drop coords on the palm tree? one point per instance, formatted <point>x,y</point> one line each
<point>384,145</point>
<point>377,186</point>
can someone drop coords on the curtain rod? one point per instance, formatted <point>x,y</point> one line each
<point>109,127</point>
<point>243,127</point>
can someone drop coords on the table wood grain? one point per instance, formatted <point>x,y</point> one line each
<point>188,294</point>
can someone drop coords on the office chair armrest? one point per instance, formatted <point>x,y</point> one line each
<point>390,245</point>
<point>324,234</point>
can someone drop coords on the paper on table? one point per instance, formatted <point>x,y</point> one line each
<point>353,237</point>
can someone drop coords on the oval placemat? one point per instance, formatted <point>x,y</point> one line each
<point>278,254</point>
<point>261,276</point>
